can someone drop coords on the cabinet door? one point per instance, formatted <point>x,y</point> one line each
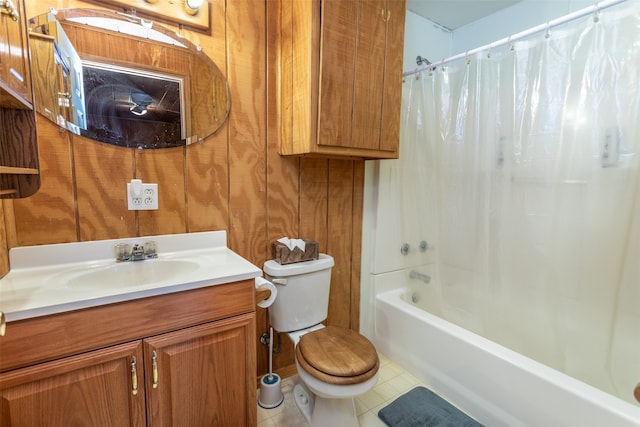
<point>15,79</point>
<point>203,375</point>
<point>369,73</point>
<point>392,95</point>
<point>91,389</point>
<point>360,76</point>
<point>45,72</point>
<point>337,71</point>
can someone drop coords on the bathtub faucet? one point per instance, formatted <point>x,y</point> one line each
<point>420,276</point>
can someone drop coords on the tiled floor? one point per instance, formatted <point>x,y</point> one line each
<point>393,381</point>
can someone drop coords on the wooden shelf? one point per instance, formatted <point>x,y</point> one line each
<point>9,98</point>
<point>18,171</point>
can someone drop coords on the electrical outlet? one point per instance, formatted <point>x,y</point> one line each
<point>142,196</point>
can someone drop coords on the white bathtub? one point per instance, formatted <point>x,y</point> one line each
<point>494,385</point>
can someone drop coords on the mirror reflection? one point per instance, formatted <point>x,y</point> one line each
<point>122,80</point>
<point>139,106</point>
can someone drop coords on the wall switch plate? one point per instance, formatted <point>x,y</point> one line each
<point>142,196</point>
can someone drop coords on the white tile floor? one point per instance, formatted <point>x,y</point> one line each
<point>393,381</point>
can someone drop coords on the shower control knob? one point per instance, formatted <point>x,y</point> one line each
<point>404,249</point>
<point>423,246</point>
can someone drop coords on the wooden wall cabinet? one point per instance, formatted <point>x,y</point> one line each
<point>19,173</point>
<point>203,374</point>
<point>15,74</point>
<point>340,76</point>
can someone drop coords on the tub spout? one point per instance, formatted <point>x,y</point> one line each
<point>419,276</point>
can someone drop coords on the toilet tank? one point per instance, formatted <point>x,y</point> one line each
<point>304,300</point>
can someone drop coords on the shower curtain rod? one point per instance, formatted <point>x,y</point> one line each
<point>596,8</point>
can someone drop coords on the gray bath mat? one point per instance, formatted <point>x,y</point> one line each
<point>421,407</point>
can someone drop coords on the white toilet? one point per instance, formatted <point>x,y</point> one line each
<point>334,364</point>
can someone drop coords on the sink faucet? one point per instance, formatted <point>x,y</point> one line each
<point>137,252</point>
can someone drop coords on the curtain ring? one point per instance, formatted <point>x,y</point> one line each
<point>596,12</point>
<point>489,51</point>
<point>547,31</point>
<point>466,56</point>
<point>511,46</point>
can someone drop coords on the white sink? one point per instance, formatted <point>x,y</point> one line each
<point>127,274</point>
<point>49,279</point>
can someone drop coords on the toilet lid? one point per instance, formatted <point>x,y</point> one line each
<point>337,355</point>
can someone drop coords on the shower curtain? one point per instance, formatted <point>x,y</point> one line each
<point>527,162</point>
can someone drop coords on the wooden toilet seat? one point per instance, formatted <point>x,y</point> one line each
<point>337,356</point>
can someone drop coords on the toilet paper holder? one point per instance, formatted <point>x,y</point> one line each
<point>266,292</point>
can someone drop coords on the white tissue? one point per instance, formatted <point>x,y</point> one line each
<point>292,243</point>
<point>262,283</point>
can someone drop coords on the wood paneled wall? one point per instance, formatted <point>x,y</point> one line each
<point>235,180</point>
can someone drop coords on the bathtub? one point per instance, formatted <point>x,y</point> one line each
<point>494,385</point>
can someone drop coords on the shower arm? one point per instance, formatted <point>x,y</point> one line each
<point>420,61</point>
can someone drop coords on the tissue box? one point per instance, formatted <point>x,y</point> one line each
<point>283,255</point>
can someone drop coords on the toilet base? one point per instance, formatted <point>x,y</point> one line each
<point>323,412</point>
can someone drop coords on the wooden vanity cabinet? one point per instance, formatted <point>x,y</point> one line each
<point>339,74</point>
<point>19,167</point>
<point>201,374</point>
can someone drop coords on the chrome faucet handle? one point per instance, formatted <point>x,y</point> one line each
<point>122,252</point>
<point>151,249</point>
<point>404,249</point>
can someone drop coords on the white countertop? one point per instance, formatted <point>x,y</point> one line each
<point>51,279</point>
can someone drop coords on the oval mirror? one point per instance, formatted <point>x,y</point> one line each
<point>123,80</point>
